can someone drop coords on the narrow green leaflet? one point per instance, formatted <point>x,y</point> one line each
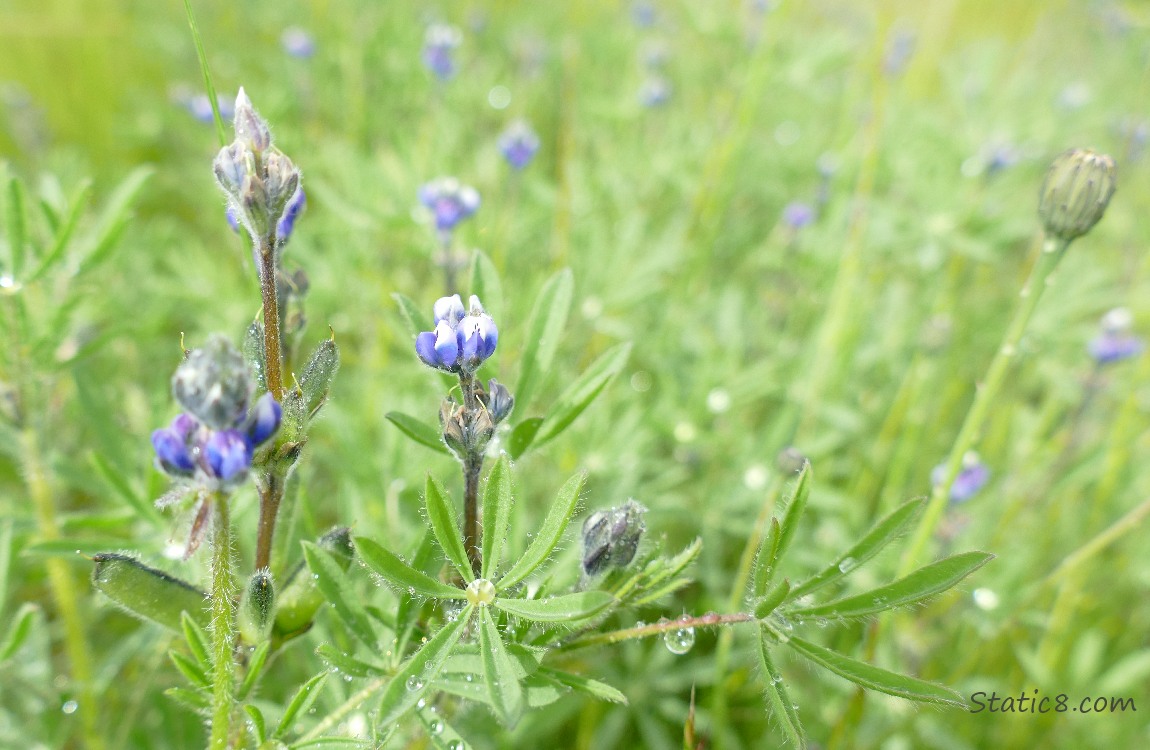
<point>582,392</point>
<point>778,700</point>
<point>256,663</point>
<point>442,519</point>
<point>773,598</point>
<point>544,332</point>
<point>496,514</point>
<point>19,628</point>
<point>415,318</point>
<point>196,700</point>
<point>114,219</point>
<point>794,513</point>
<point>879,535</point>
<point>500,672</point>
<point>190,669</point>
<point>485,283</point>
<point>402,575</point>
<point>17,225</point>
<point>523,435</point>
<point>117,482</point>
<point>875,678</point>
<point>567,607</point>
<point>256,720</point>
<point>347,663</point>
<point>594,688</point>
<point>63,234</point>
<point>417,430</point>
<point>441,734</point>
<point>549,533</point>
<point>300,702</point>
<point>197,640</point>
<point>767,559</point>
<point>332,583</point>
<point>411,682</point>
<point>921,584</point>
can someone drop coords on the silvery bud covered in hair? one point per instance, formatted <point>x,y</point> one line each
<point>262,184</point>
<point>611,537</point>
<point>465,432</point>
<point>1075,193</point>
<point>214,384</point>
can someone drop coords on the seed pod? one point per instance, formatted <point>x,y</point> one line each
<point>1075,193</point>
<point>148,593</point>
<point>257,607</point>
<point>300,598</point>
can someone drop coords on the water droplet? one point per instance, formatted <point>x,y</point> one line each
<point>414,683</point>
<point>347,678</point>
<point>435,727</point>
<point>985,599</point>
<point>456,745</point>
<point>778,680</point>
<point>718,401</point>
<point>70,707</point>
<point>680,640</point>
<point>468,677</point>
<point>847,564</point>
<point>420,703</point>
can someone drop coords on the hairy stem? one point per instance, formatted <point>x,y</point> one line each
<point>223,626</point>
<point>273,358</point>
<point>271,489</point>
<point>472,468</point>
<point>1052,252</point>
<point>645,631</point>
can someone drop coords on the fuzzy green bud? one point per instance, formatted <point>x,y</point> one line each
<point>148,593</point>
<point>1075,193</point>
<point>257,607</point>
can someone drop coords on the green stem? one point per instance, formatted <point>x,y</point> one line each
<point>1052,252</point>
<point>223,626</point>
<point>271,491</point>
<point>645,631</point>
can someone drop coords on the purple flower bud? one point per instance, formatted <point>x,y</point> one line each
<point>439,44</point>
<point>294,207</point>
<point>798,215</point>
<point>449,309</point>
<point>297,43</point>
<point>230,167</point>
<point>1110,348</point>
<point>172,451</point>
<point>449,201</point>
<point>264,420</point>
<point>228,454</point>
<point>518,144</point>
<point>479,337</point>
<point>611,537</point>
<point>251,129</point>
<point>233,221</point>
<point>214,384</point>
<point>971,478</point>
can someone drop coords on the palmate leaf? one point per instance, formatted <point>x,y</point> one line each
<point>402,575</point>
<point>881,534</point>
<point>442,519</point>
<point>418,430</point>
<point>412,680</point>
<point>548,535</point>
<point>876,678</point>
<point>568,608</point>
<point>500,672</point>
<point>544,333</point>
<point>496,514</point>
<point>782,707</point>
<point>921,584</point>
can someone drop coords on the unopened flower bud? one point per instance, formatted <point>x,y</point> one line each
<point>282,181</point>
<point>1075,193</point>
<point>451,420</point>
<point>251,129</point>
<point>257,607</point>
<point>498,400</point>
<point>214,384</point>
<point>230,167</point>
<point>611,537</point>
<point>254,201</point>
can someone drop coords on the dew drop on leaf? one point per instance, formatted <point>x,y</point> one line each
<point>847,564</point>
<point>414,683</point>
<point>435,727</point>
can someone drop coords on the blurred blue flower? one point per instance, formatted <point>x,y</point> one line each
<point>439,45</point>
<point>1115,342</point>
<point>899,50</point>
<point>971,478</point>
<point>297,42</point>
<point>518,144</point>
<point>200,107</point>
<point>292,210</point>
<point>449,201</point>
<point>643,13</point>
<point>797,214</point>
<point>655,92</point>
<point>461,341</point>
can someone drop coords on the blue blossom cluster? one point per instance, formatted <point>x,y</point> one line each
<point>297,43</point>
<point>439,45</point>
<point>518,144</point>
<point>1115,342</point>
<point>462,340</point>
<point>213,441</point>
<point>449,201</point>
<point>286,224</point>
<point>971,478</point>
<point>798,214</point>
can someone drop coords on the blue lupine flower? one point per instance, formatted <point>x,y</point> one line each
<point>898,52</point>
<point>971,478</point>
<point>292,209</point>
<point>297,42</point>
<point>200,106</point>
<point>439,45</point>
<point>643,14</point>
<point>214,441</point>
<point>1115,342</point>
<point>798,215</point>
<point>518,144</point>
<point>449,200</point>
<point>460,342</point>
